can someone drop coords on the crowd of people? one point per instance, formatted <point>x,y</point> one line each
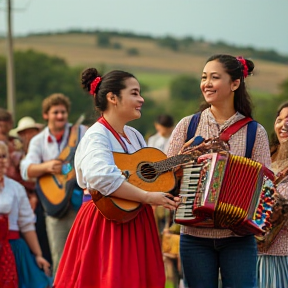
<point>49,237</point>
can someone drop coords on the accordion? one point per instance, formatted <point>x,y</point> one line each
<point>226,191</point>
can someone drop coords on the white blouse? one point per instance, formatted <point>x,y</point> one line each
<point>15,203</point>
<point>94,162</point>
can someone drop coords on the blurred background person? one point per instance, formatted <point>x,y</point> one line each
<point>42,159</point>
<point>272,264</point>
<point>14,144</point>
<point>169,234</point>
<point>164,125</point>
<point>28,128</point>
<point>16,153</point>
<point>33,270</point>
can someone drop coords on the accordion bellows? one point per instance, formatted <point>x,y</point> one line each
<point>226,191</point>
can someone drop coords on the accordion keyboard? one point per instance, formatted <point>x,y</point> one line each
<point>188,189</point>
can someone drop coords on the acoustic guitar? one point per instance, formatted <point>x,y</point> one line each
<point>54,191</point>
<point>148,169</point>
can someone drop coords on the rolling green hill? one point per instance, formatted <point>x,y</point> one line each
<point>157,61</point>
<point>154,65</point>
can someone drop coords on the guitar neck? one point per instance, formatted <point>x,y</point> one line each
<point>174,161</point>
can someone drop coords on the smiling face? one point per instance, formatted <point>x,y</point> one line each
<point>57,117</point>
<point>130,102</point>
<point>216,84</point>
<point>281,125</point>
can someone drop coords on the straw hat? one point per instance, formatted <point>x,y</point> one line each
<point>27,123</point>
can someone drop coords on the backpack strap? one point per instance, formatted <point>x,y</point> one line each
<point>251,133</point>
<point>228,132</point>
<point>250,139</point>
<point>193,126</point>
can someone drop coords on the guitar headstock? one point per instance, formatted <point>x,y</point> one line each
<point>210,145</point>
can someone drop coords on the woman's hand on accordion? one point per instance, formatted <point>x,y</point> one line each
<point>162,199</point>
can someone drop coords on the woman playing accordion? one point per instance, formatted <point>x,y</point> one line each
<point>205,251</point>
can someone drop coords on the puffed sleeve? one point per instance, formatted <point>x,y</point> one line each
<point>95,166</point>
<point>26,217</point>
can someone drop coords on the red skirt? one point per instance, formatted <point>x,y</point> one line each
<point>8,272</point>
<point>102,253</point>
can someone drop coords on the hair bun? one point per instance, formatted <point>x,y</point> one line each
<point>247,66</point>
<point>87,77</point>
<point>250,66</point>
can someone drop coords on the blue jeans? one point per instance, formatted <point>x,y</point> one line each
<point>203,257</point>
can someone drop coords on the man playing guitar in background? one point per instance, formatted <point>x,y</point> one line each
<point>41,160</point>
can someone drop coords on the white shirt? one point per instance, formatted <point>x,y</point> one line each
<point>94,162</point>
<point>15,203</point>
<point>41,149</point>
<point>159,142</point>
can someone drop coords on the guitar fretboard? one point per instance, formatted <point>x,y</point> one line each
<point>174,161</point>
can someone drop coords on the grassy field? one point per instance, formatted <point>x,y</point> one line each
<point>155,66</point>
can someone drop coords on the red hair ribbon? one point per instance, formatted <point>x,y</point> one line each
<point>244,65</point>
<point>94,85</point>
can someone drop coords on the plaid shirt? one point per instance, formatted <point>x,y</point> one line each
<point>207,128</point>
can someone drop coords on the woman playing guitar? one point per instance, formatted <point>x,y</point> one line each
<point>120,255</point>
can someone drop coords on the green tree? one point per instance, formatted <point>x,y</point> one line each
<point>37,76</point>
<point>284,89</point>
<point>169,42</point>
<point>133,51</point>
<point>103,40</point>
<point>185,87</point>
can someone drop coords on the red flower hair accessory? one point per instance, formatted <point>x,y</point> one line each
<point>94,85</point>
<point>244,65</point>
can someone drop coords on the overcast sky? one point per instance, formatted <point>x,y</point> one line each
<point>259,23</point>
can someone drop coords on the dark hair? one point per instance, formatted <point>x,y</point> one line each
<point>242,100</point>
<point>5,115</point>
<point>274,142</point>
<point>110,82</point>
<point>165,120</point>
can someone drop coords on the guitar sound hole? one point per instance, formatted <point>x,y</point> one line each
<point>147,172</point>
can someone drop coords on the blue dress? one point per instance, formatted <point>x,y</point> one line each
<point>29,274</point>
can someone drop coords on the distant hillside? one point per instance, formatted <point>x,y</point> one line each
<point>144,54</point>
<point>189,45</point>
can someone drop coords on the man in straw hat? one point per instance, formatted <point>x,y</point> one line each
<point>27,128</point>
